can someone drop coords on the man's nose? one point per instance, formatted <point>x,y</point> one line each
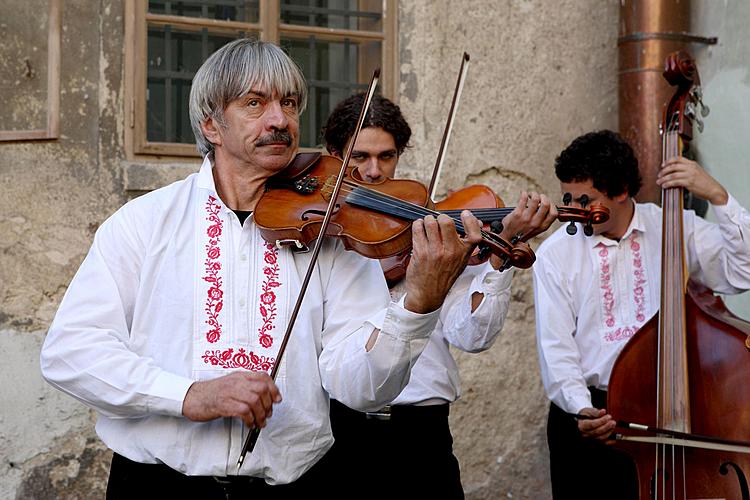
<point>372,170</point>
<point>275,116</point>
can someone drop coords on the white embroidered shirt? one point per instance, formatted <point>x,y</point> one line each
<point>592,294</point>
<point>175,290</point>
<point>434,378</point>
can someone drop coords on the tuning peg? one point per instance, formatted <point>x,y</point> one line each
<point>496,226</point>
<point>699,122</point>
<point>584,200</point>
<point>571,229</point>
<point>567,198</point>
<point>588,229</point>
<point>705,110</point>
<point>690,110</point>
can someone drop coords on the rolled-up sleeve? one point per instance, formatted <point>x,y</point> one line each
<point>476,331</point>
<point>357,303</point>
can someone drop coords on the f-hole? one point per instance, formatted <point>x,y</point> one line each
<point>306,214</point>
<point>724,470</point>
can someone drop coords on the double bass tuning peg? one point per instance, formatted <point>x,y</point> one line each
<point>697,94</point>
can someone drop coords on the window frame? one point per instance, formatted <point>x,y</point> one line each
<point>137,20</point>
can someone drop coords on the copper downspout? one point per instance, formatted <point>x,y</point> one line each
<point>649,31</point>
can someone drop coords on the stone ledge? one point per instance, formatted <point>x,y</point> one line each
<point>142,176</point>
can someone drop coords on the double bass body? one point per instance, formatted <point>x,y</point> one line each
<point>718,364</point>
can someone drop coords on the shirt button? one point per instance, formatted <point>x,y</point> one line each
<point>243,257</point>
<point>242,302</point>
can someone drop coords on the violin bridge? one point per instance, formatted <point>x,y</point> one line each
<point>328,187</point>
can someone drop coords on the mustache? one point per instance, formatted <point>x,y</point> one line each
<point>275,137</point>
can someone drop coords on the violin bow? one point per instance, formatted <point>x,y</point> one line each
<point>252,438</point>
<point>432,189</point>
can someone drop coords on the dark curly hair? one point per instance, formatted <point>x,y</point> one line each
<point>382,113</point>
<point>605,158</point>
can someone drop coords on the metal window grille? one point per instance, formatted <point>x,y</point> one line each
<point>334,66</point>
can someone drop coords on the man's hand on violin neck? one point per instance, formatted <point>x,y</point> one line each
<point>533,214</point>
<point>247,395</point>
<point>439,256</point>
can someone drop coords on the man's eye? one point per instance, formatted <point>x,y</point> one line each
<point>253,103</point>
<point>289,103</point>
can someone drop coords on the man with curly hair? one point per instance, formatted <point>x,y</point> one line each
<point>408,444</point>
<point>593,294</point>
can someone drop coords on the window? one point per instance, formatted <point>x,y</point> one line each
<point>337,43</point>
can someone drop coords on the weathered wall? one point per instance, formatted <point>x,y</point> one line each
<point>54,196</point>
<point>541,73</point>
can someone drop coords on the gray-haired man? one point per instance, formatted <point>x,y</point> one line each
<point>177,312</point>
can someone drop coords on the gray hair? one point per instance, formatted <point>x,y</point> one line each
<point>231,72</point>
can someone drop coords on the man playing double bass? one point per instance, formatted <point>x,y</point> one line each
<point>176,314</point>
<point>593,294</point>
<point>407,446</point>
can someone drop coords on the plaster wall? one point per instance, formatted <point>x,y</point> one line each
<point>541,73</point>
<point>54,196</point>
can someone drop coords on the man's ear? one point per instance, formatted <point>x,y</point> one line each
<point>211,130</point>
<point>621,198</point>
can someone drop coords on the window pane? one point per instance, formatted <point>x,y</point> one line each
<point>363,15</point>
<point>225,10</point>
<point>334,70</point>
<point>174,55</point>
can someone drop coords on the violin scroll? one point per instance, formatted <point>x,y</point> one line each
<point>595,214</point>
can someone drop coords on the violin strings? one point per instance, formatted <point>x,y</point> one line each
<point>370,198</point>
<point>485,215</point>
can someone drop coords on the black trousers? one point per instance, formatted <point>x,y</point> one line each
<point>407,454</point>
<point>129,480</point>
<point>584,468</point>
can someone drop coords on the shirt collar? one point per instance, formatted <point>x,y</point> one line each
<point>206,175</point>
<point>636,225</point>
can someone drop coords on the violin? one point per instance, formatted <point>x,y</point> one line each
<point>373,219</point>
<point>487,206</point>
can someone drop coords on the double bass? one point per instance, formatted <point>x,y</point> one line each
<point>683,377</point>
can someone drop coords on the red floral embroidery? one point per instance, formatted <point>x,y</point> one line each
<point>608,297</point>
<point>267,304</point>
<point>240,359</point>
<point>639,279</point>
<point>215,294</point>
<point>621,333</point>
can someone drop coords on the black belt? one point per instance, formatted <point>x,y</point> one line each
<point>400,412</point>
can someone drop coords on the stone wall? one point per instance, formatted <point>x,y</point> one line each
<point>541,73</point>
<point>54,196</point>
